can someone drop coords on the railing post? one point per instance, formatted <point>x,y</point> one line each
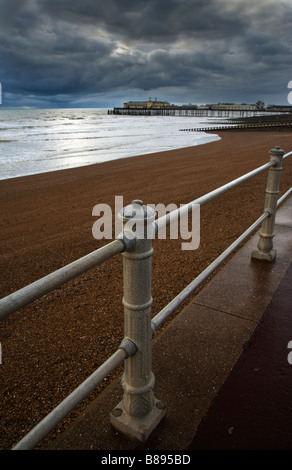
<point>265,249</point>
<point>139,412</point>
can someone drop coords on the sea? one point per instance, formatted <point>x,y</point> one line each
<point>36,141</point>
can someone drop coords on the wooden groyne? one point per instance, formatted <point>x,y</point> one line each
<point>243,127</point>
<point>262,123</point>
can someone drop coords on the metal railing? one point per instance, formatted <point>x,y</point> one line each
<point>139,412</point>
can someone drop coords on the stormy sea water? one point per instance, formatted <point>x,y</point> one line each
<point>36,141</point>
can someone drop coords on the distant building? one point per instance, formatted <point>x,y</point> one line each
<point>150,104</point>
<point>238,107</point>
<point>260,105</point>
<point>274,107</point>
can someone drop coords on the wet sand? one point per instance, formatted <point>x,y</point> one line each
<point>52,345</point>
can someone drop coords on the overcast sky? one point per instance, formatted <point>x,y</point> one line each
<point>100,53</point>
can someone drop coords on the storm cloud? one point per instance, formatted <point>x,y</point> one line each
<point>101,53</point>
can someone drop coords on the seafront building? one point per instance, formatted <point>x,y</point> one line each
<point>259,106</point>
<point>150,104</point>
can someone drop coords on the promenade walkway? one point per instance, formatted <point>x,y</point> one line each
<point>221,366</point>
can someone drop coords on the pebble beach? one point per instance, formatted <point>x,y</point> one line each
<point>52,345</point>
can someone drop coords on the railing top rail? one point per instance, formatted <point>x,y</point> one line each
<point>166,219</point>
<point>52,281</point>
<point>172,216</point>
<point>289,154</point>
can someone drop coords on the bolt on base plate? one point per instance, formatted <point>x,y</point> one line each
<point>262,255</point>
<point>137,428</point>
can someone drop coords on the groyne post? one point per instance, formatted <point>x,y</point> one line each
<point>139,412</point>
<point>265,250</point>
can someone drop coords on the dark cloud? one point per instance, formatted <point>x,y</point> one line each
<point>199,51</point>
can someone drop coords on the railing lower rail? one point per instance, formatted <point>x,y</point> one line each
<point>185,293</point>
<point>139,406</point>
<point>43,428</point>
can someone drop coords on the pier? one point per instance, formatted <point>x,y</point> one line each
<point>228,110</point>
<point>187,111</point>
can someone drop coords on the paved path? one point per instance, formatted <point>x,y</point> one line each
<point>253,410</point>
<point>221,366</point>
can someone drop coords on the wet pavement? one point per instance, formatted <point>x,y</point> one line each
<point>221,366</point>
<point>253,410</point>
